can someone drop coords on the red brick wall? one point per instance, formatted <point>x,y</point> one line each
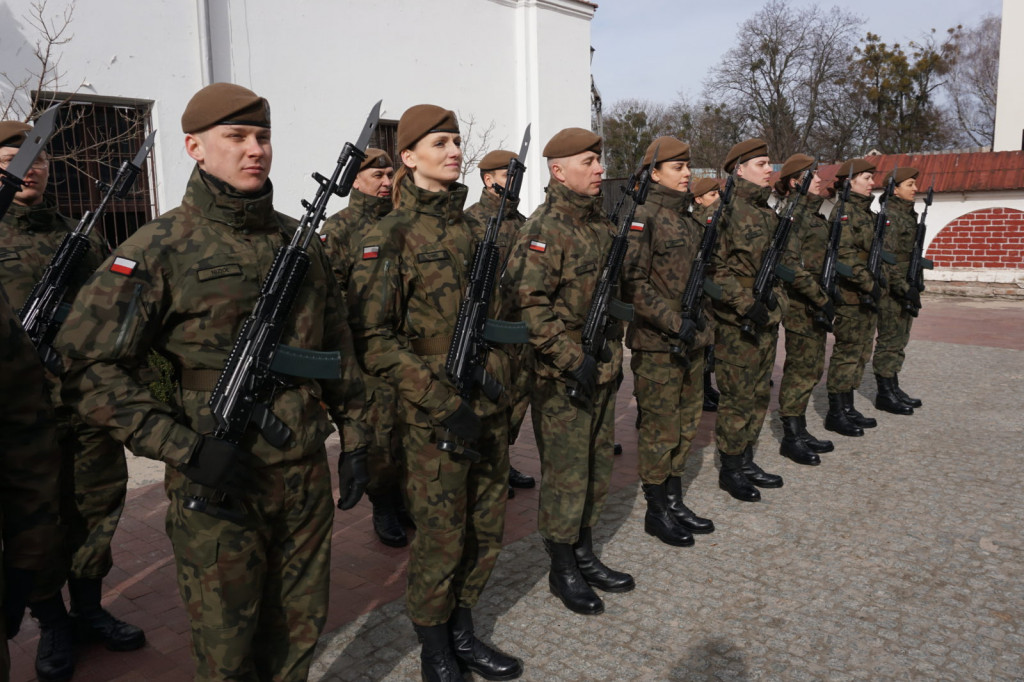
<point>989,238</point>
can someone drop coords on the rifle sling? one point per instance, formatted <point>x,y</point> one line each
<point>291,361</point>
<point>620,311</point>
<point>499,331</point>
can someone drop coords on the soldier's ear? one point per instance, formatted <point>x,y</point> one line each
<point>408,158</point>
<point>194,147</point>
<point>557,171</point>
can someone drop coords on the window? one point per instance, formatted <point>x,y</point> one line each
<point>386,137</point>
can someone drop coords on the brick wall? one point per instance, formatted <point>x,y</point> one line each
<point>988,238</point>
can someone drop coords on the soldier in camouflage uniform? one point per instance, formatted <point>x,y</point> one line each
<point>854,326</point>
<point>554,269</point>
<point>705,201</point>
<point>667,350</point>
<point>409,282</point>
<point>744,360</point>
<point>369,201</point>
<point>255,591</point>
<point>94,475</point>
<point>810,308</point>
<point>899,298</point>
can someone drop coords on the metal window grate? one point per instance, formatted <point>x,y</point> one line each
<point>386,137</point>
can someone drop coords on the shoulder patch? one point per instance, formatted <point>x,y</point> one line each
<point>370,252</point>
<point>636,227</point>
<point>323,238</point>
<point>123,266</point>
<point>845,218</point>
<point>539,247</point>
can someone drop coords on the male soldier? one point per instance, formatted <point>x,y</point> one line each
<point>494,173</point>
<point>94,475</point>
<point>900,301</point>
<point>705,201</point>
<point>555,264</point>
<point>744,358</point>
<point>256,590</point>
<point>370,201</point>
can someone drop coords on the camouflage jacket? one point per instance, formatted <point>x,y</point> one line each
<point>553,271</point>
<point>744,232</point>
<point>485,209</point>
<point>805,250</point>
<point>183,285</point>
<point>409,281</point>
<point>342,232</point>
<point>854,245</point>
<point>702,213</point>
<point>663,242</point>
<point>899,241</point>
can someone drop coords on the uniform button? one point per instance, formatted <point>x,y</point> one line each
<point>249,207</point>
<point>291,444</point>
<point>451,221</point>
<point>246,231</point>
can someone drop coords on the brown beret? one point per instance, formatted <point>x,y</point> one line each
<point>419,121</point>
<point>570,142</point>
<point>705,185</point>
<point>901,175</point>
<point>13,133</point>
<point>795,164</point>
<point>743,152</point>
<point>496,160</point>
<point>375,158</point>
<point>669,149</point>
<point>224,104</point>
<point>854,167</point>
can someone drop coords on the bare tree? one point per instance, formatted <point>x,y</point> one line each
<point>476,143</point>
<point>26,90</point>
<point>629,127</point>
<point>973,79</point>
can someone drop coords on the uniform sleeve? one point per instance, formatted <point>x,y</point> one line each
<point>648,304</point>
<point>900,235</point>
<point>805,282</point>
<point>728,252</point>
<point>850,252</point>
<point>336,250</point>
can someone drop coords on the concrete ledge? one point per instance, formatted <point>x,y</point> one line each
<point>1012,290</point>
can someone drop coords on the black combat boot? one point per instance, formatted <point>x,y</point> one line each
<point>386,523</point>
<point>517,479</point>
<point>659,522</point>
<point>913,402</point>
<point>484,660</point>
<point>596,573</point>
<point>93,623</point>
<point>855,416</point>
<point>55,656</point>
<point>567,583</point>
<point>732,480</point>
<point>819,446</point>
<point>887,400</point>
<point>684,516</point>
<point>793,446</point>
<point>437,659</point>
<point>757,475</point>
<point>837,419</point>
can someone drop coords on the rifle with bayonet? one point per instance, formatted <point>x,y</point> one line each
<point>43,312</point>
<point>258,361</point>
<point>474,334</point>
<point>874,264</point>
<point>12,177</point>
<point>831,261</point>
<point>918,263</point>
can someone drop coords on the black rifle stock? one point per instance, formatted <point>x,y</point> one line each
<point>249,380</point>
<point>918,263</point>
<point>12,177</point>
<point>874,264</point>
<point>828,266</point>
<point>42,314</point>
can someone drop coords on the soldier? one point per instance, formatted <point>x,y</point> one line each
<point>93,473</point>
<point>805,338</point>
<point>409,282</point>
<point>667,350</point>
<point>744,360</point>
<point>705,201</point>
<point>894,316</point>
<point>854,326</point>
<point>370,201</point>
<point>255,591</point>
<point>555,266</point>
<point>494,171</point>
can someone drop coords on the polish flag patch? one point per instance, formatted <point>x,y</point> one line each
<point>539,247</point>
<point>123,266</point>
<point>323,239</point>
<point>636,227</point>
<point>370,252</point>
<point>845,218</point>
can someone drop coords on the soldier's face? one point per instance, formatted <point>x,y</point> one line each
<point>34,184</point>
<point>707,198</point>
<point>435,161</point>
<point>813,188</point>
<point>236,154</point>
<point>757,170</point>
<point>496,177</point>
<point>673,174</point>
<point>861,183</point>
<point>906,189</point>
<point>374,181</point>
<point>580,173</point>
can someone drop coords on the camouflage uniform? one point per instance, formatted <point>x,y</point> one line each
<point>894,322</point>
<point>668,392</point>
<point>555,266</point>
<point>256,593</point>
<point>409,282</point>
<point>854,326</point>
<point>744,362</point>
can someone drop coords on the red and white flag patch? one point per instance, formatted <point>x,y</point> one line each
<point>636,227</point>
<point>370,252</point>
<point>123,266</point>
<point>323,239</point>
<point>539,247</point>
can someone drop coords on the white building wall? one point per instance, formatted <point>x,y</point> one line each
<point>1010,102</point>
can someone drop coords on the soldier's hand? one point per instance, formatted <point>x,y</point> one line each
<point>219,464</point>
<point>586,376</point>
<point>913,297</point>
<point>883,282</point>
<point>352,477</point>
<point>758,314</point>
<point>687,332</point>
<point>18,584</point>
<point>463,423</point>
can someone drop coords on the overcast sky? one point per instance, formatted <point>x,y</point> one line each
<point>654,49</point>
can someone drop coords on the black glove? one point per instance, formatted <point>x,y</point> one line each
<point>828,310</point>
<point>18,584</point>
<point>883,282</point>
<point>757,314</point>
<point>219,464</point>
<point>687,332</point>
<point>913,297</point>
<point>352,477</point>
<point>773,301</point>
<point>876,292</point>
<point>586,375</point>
<point>463,423</point>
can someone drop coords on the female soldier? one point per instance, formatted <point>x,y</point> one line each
<point>409,283</point>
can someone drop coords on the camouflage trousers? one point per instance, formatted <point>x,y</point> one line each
<point>671,398</point>
<point>743,368</point>
<point>519,389</point>
<point>256,593</point>
<point>893,337</point>
<point>576,443</point>
<point>459,510</point>
<point>805,362</point>
<point>384,460</point>
<point>854,329</point>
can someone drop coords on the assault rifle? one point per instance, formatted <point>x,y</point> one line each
<point>42,314</point>
<point>828,266</point>
<point>12,177</point>
<point>918,263</point>
<point>604,306</point>
<point>466,363</point>
<point>874,264</point>
<point>255,368</point>
<point>764,282</point>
